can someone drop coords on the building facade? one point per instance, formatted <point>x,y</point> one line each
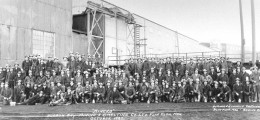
<point>28,27</point>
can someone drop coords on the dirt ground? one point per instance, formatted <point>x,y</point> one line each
<point>137,111</point>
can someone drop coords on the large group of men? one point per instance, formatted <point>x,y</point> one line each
<point>79,79</point>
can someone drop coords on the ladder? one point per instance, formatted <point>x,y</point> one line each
<point>137,44</point>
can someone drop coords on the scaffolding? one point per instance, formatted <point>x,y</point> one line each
<point>141,39</point>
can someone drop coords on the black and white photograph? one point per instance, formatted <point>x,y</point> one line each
<point>129,59</point>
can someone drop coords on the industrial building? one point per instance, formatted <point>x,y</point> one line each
<point>96,27</point>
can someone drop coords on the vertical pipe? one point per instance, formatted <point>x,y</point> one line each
<point>242,33</point>
<point>88,31</point>
<point>253,32</point>
<point>177,43</point>
<point>104,39</point>
<point>144,40</point>
<point>116,41</point>
<point>186,58</point>
<point>134,26</point>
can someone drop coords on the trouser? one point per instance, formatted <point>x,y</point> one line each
<point>57,102</point>
<point>178,99</point>
<point>248,97</point>
<point>206,96</point>
<point>1,98</point>
<point>165,97</point>
<point>237,96</point>
<point>123,95</point>
<point>20,98</point>
<point>153,97</point>
<point>216,98</point>
<point>79,97</point>
<point>31,101</point>
<point>45,99</point>
<point>7,101</point>
<point>197,97</point>
<point>97,97</point>
<point>87,97</point>
<point>144,97</point>
<point>130,98</point>
<point>189,97</point>
<point>137,96</point>
<point>225,97</point>
<point>171,96</point>
<point>257,92</point>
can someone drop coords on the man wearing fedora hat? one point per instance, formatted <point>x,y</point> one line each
<point>2,77</point>
<point>26,65</point>
<point>223,77</point>
<point>237,93</point>
<point>7,94</point>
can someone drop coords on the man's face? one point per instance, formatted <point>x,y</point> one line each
<point>114,89</point>
<point>237,81</point>
<point>234,71</point>
<point>205,83</point>
<point>120,83</point>
<point>216,85</point>
<point>244,69</point>
<point>247,82</point>
<point>30,73</point>
<point>130,84</point>
<point>238,69</point>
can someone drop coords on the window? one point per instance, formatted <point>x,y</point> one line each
<point>43,43</point>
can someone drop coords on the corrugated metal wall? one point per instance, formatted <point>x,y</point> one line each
<point>80,43</point>
<point>19,17</point>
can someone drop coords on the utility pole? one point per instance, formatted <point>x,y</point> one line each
<point>242,33</point>
<point>253,32</point>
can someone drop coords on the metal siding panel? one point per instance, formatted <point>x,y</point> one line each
<point>57,45</point>
<point>20,44</point>
<point>68,26</point>
<point>110,27</point>
<point>5,36</point>
<point>14,12</point>
<point>24,13</point>
<point>53,19</point>
<point>110,43</point>
<point>28,42</point>
<point>121,29</point>
<point>58,20</point>
<point>36,15</point>
<point>5,12</point>
<point>13,43</point>
<point>47,17</point>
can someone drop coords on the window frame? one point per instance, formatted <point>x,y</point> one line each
<point>44,38</point>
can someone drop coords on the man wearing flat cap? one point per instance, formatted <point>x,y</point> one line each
<point>26,65</point>
<point>223,77</point>
<point>191,66</point>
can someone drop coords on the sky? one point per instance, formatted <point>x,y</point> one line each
<point>204,20</point>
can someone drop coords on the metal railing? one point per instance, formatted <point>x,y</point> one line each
<point>184,56</point>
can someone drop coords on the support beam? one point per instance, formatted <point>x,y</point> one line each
<point>253,32</point>
<point>88,32</point>
<point>242,33</point>
<point>116,40</point>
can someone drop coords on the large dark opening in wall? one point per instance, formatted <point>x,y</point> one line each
<point>97,24</point>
